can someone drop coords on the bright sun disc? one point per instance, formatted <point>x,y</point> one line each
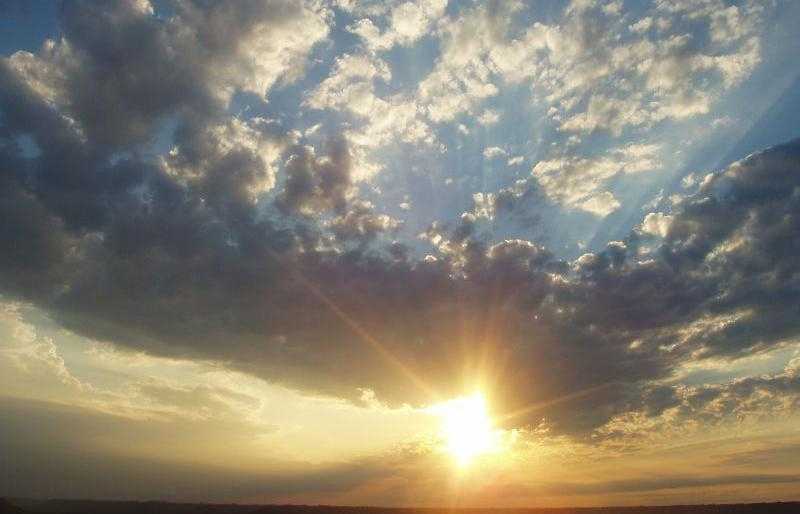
<point>466,428</point>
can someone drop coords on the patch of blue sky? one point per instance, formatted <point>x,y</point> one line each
<point>26,24</point>
<point>28,147</point>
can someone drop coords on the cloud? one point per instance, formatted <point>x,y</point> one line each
<point>656,223</point>
<point>244,247</point>
<point>489,117</point>
<point>379,121</point>
<point>601,204</point>
<point>687,410</point>
<point>492,152</point>
<point>362,224</point>
<point>407,22</point>
<point>578,182</point>
<point>615,295</point>
<point>593,70</point>
<point>462,78</point>
<point>194,60</point>
<point>641,26</point>
<point>314,184</point>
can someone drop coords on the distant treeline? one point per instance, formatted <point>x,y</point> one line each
<point>23,506</point>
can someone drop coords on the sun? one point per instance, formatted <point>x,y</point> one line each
<point>466,428</point>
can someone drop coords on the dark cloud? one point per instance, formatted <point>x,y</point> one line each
<point>185,256</point>
<point>316,184</point>
<point>361,224</point>
<point>125,71</point>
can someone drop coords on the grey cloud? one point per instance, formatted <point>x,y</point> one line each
<point>362,224</point>
<point>125,71</point>
<point>314,184</point>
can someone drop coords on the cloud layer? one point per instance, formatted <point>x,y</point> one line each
<point>244,243</point>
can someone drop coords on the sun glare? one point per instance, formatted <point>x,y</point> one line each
<point>466,428</point>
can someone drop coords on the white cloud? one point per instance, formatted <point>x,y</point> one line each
<point>408,22</point>
<point>351,85</point>
<point>578,182</point>
<point>379,121</point>
<point>601,82</point>
<point>462,77</point>
<point>642,25</point>
<point>656,223</point>
<point>256,135</point>
<point>613,8</point>
<point>601,204</point>
<point>483,205</point>
<point>489,117</point>
<point>493,152</point>
<point>272,50</point>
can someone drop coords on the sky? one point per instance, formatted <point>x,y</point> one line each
<point>420,252</point>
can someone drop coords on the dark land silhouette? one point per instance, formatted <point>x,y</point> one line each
<point>27,506</point>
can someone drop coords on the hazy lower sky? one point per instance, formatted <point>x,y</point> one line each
<point>498,253</point>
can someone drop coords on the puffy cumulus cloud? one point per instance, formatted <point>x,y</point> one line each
<point>596,69</point>
<point>591,68</point>
<point>255,43</point>
<point>578,182</point>
<point>351,88</point>
<point>185,256</point>
<point>314,183</point>
<point>664,74</point>
<point>350,85</point>
<point>407,23</point>
<point>642,25</point>
<point>119,69</point>
<point>96,98</point>
<point>232,162</point>
<point>361,224</point>
<point>656,223</point>
<point>462,78</point>
<point>489,117</point>
<point>492,152</point>
<point>601,204</point>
